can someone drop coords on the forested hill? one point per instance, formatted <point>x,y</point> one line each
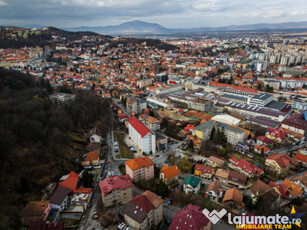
<point>16,37</point>
<point>38,138</point>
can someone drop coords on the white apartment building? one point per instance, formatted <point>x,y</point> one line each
<point>261,100</point>
<point>142,136</point>
<point>233,134</point>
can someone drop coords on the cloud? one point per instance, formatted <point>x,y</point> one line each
<point>3,3</point>
<point>170,13</point>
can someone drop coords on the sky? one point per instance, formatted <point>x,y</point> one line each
<point>168,13</point>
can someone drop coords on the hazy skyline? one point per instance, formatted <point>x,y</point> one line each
<point>168,13</point>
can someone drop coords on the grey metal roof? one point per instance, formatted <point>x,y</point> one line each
<point>204,126</point>
<point>261,96</point>
<point>278,105</point>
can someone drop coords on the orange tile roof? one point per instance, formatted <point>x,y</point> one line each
<point>293,188</point>
<point>234,195</point>
<point>170,172</point>
<point>301,157</point>
<point>71,181</point>
<point>154,198</point>
<point>140,162</point>
<point>91,156</point>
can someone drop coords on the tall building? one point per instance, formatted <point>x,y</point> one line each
<point>204,131</point>
<point>142,136</point>
<point>190,218</point>
<point>116,190</point>
<point>161,77</point>
<point>141,168</point>
<point>139,213</point>
<point>261,100</point>
<point>135,105</point>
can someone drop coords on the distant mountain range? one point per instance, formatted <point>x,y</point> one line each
<point>141,27</point>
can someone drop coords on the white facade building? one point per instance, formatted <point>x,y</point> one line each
<point>142,136</point>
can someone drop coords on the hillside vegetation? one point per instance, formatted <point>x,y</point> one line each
<point>38,138</point>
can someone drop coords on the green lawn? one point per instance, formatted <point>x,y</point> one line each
<point>123,147</point>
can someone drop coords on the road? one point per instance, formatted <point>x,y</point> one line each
<point>87,222</point>
<point>118,103</point>
<point>112,168</point>
<point>288,149</point>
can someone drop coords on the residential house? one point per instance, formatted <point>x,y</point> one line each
<point>169,173</point>
<point>281,189</point>
<point>151,122</point>
<point>158,206</point>
<point>261,149</point>
<point>294,189</point>
<point>135,105</point>
<point>141,168</point>
<point>73,182</point>
<point>91,159</point>
<point>116,190</point>
<point>278,163</point>
<point>277,135</point>
<point>262,140</point>
<point>142,136</point>
<point>245,167</point>
<point>237,179</point>
<point>35,211</point>
<point>93,147</point>
<point>242,148</point>
<point>190,218</point>
<point>139,213</point>
<point>231,178</point>
<point>214,191</point>
<point>191,184</point>
<point>95,135</point>
<point>59,199</point>
<point>222,175</point>
<point>161,141</point>
<point>233,198</point>
<point>215,161</point>
<point>204,131</point>
<point>203,171</point>
<point>266,191</point>
<point>302,158</point>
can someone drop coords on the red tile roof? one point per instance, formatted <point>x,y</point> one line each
<point>249,167</point>
<point>234,161</point>
<point>115,182</point>
<point>281,160</point>
<point>301,157</point>
<point>139,126</point>
<point>143,202</point>
<point>190,218</point>
<point>204,169</point>
<point>71,181</point>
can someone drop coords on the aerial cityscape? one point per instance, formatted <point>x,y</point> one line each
<point>145,115</point>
